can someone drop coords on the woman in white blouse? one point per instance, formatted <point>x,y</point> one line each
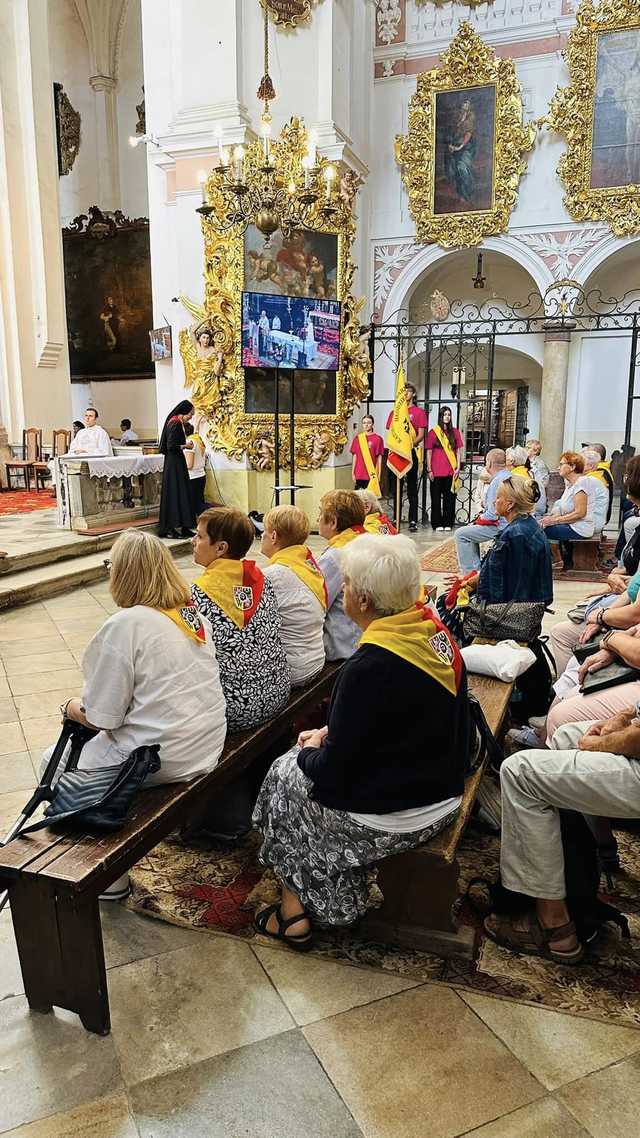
<point>572,516</point>
<point>300,590</point>
<point>150,673</point>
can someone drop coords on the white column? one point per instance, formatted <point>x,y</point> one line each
<point>553,402</point>
<point>108,154</point>
<point>32,316</point>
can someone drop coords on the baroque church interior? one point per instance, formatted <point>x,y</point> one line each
<point>277,275</point>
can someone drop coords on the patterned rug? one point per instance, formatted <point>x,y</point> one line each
<point>442,558</point>
<point>220,890</point>
<point>25,501</point>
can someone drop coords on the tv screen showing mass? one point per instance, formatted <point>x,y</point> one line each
<point>290,332</point>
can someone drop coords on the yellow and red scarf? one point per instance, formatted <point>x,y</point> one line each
<point>417,636</point>
<point>374,484</point>
<point>379,523</point>
<point>347,535</point>
<point>522,472</point>
<point>301,561</point>
<point>236,587</point>
<point>188,620</point>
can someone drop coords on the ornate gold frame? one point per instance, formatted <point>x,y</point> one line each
<point>572,114</point>
<point>217,384</point>
<point>467,62</point>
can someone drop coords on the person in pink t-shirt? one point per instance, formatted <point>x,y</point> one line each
<point>445,449</point>
<point>376,449</point>
<point>419,422</point>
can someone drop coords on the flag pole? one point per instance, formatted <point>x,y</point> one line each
<point>398,502</point>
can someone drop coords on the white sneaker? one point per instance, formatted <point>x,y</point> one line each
<point>440,529</point>
<point>537,722</point>
<point>525,737</point>
<point>447,529</point>
<point>118,890</point>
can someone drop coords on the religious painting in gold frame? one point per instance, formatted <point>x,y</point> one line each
<point>463,154</point>
<point>216,375</point>
<point>599,115</point>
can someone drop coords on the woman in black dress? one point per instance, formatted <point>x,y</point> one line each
<point>177,518</point>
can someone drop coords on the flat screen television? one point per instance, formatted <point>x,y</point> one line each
<point>290,332</point>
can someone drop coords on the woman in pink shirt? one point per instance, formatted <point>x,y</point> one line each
<point>375,444</point>
<point>445,449</point>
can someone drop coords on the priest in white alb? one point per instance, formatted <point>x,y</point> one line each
<point>92,440</point>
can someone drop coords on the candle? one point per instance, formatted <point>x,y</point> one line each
<point>221,149</point>
<point>224,158</point>
<point>238,155</point>
<point>312,142</point>
<point>306,166</point>
<point>266,139</point>
<point>329,175</point>
<point>202,178</point>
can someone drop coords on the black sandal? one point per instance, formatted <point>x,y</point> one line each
<point>299,942</point>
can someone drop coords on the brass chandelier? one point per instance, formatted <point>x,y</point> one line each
<point>271,183</point>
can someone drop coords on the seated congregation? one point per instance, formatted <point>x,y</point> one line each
<point>183,668</point>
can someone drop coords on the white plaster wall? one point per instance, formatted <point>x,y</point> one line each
<point>114,401</point>
<point>70,66</point>
<point>133,166</point>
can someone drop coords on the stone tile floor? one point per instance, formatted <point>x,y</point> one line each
<point>215,1037</point>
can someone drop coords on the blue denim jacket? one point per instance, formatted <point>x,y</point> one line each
<point>518,565</point>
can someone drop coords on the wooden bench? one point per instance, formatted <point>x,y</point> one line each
<point>54,877</point>
<point>586,554</point>
<point>421,886</point>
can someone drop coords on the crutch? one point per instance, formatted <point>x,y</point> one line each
<point>78,734</point>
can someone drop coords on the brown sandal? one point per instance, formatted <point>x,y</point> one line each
<point>533,939</point>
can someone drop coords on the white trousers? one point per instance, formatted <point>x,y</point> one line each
<point>535,785</point>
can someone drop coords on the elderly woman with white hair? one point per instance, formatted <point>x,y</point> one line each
<point>603,499</point>
<point>519,463</point>
<point>362,788</point>
<point>375,520</point>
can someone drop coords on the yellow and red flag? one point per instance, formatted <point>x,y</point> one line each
<point>400,435</point>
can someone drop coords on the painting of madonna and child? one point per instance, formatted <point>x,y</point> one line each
<point>304,263</point>
<point>290,332</point>
<point>615,137</point>
<point>465,149</point>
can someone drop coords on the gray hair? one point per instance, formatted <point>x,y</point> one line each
<point>369,501</point>
<point>591,458</point>
<point>517,456</point>
<point>386,572</point>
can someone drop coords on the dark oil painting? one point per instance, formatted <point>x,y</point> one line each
<point>109,311</point>
<point>314,392</point>
<point>465,145</point>
<point>615,152</point>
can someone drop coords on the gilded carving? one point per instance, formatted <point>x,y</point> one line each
<point>67,130</point>
<point>464,152</point>
<point>599,115</point>
<point>216,377</point>
<point>288,13</point>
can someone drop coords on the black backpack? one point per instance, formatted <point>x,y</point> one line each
<point>582,880</point>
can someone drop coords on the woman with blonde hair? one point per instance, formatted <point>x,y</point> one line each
<point>150,673</point>
<point>301,593</point>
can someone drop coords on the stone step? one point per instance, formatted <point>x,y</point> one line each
<point>39,581</point>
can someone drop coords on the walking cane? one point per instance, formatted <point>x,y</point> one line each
<point>42,793</point>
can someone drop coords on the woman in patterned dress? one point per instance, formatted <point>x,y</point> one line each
<point>367,785</point>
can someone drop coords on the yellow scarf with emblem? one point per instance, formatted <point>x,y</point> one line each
<point>521,471</point>
<point>301,561</point>
<point>450,453</point>
<point>234,586</point>
<point>188,620</point>
<point>346,536</point>
<point>379,523</point>
<point>417,636</point>
<point>374,484</point>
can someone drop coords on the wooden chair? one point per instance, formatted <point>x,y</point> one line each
<point>60,445</point>
<point>31,452</point>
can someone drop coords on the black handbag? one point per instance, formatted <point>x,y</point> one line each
<point>514,620</point>
<point>100,798</point>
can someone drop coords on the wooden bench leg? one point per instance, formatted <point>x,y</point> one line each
<point>59,941</point>
<point>419,893</point>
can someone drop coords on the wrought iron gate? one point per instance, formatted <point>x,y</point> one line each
<point>452,362</point>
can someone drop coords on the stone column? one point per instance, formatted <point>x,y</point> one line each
<point>105,88</point>
<point>553,401</point>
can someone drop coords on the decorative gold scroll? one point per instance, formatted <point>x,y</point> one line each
<point>470,65</point>
<point>217,384</point>
<point>288,13</point>
<point>575,112</point>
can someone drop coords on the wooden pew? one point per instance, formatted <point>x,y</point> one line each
<point>421,885</point>
<point>55,878</point>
